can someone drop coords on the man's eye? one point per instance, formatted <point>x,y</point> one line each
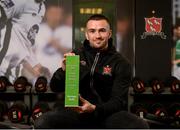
<point>103,30</point>
<point>91,31</point>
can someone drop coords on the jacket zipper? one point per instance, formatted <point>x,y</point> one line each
<point>92,74</point>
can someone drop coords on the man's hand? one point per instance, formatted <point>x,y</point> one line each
<point>86,107</point>
<point>64,60</point>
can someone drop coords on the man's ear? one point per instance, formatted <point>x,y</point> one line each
<point>110,33</point>
<point>86,36</point>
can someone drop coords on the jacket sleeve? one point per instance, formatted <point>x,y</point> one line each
<point>57,83</point>
<point>119,94</point>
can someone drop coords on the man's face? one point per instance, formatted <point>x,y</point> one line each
<point>54,15</point>
<point>98,32</point>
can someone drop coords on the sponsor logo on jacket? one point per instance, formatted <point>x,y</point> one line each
<point>107,70</point>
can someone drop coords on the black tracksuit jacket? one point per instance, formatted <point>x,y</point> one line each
<point>104,79</point>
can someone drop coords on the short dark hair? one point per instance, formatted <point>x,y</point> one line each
<point>98,17</point>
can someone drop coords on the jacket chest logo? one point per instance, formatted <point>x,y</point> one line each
<point>83,63</point>
<point>107,70</point>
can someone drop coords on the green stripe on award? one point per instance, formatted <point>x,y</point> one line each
<point>72,81</point>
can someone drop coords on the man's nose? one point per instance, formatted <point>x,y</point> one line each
<point>98,34</point>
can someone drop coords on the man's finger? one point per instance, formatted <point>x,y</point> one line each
<point>80,110</point>
<point>63,64</point>
<point>69,54</point>
<point>82,99</point>
<point>64,60</point>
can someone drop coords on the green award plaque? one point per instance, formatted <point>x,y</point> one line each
<point>72,81</point>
